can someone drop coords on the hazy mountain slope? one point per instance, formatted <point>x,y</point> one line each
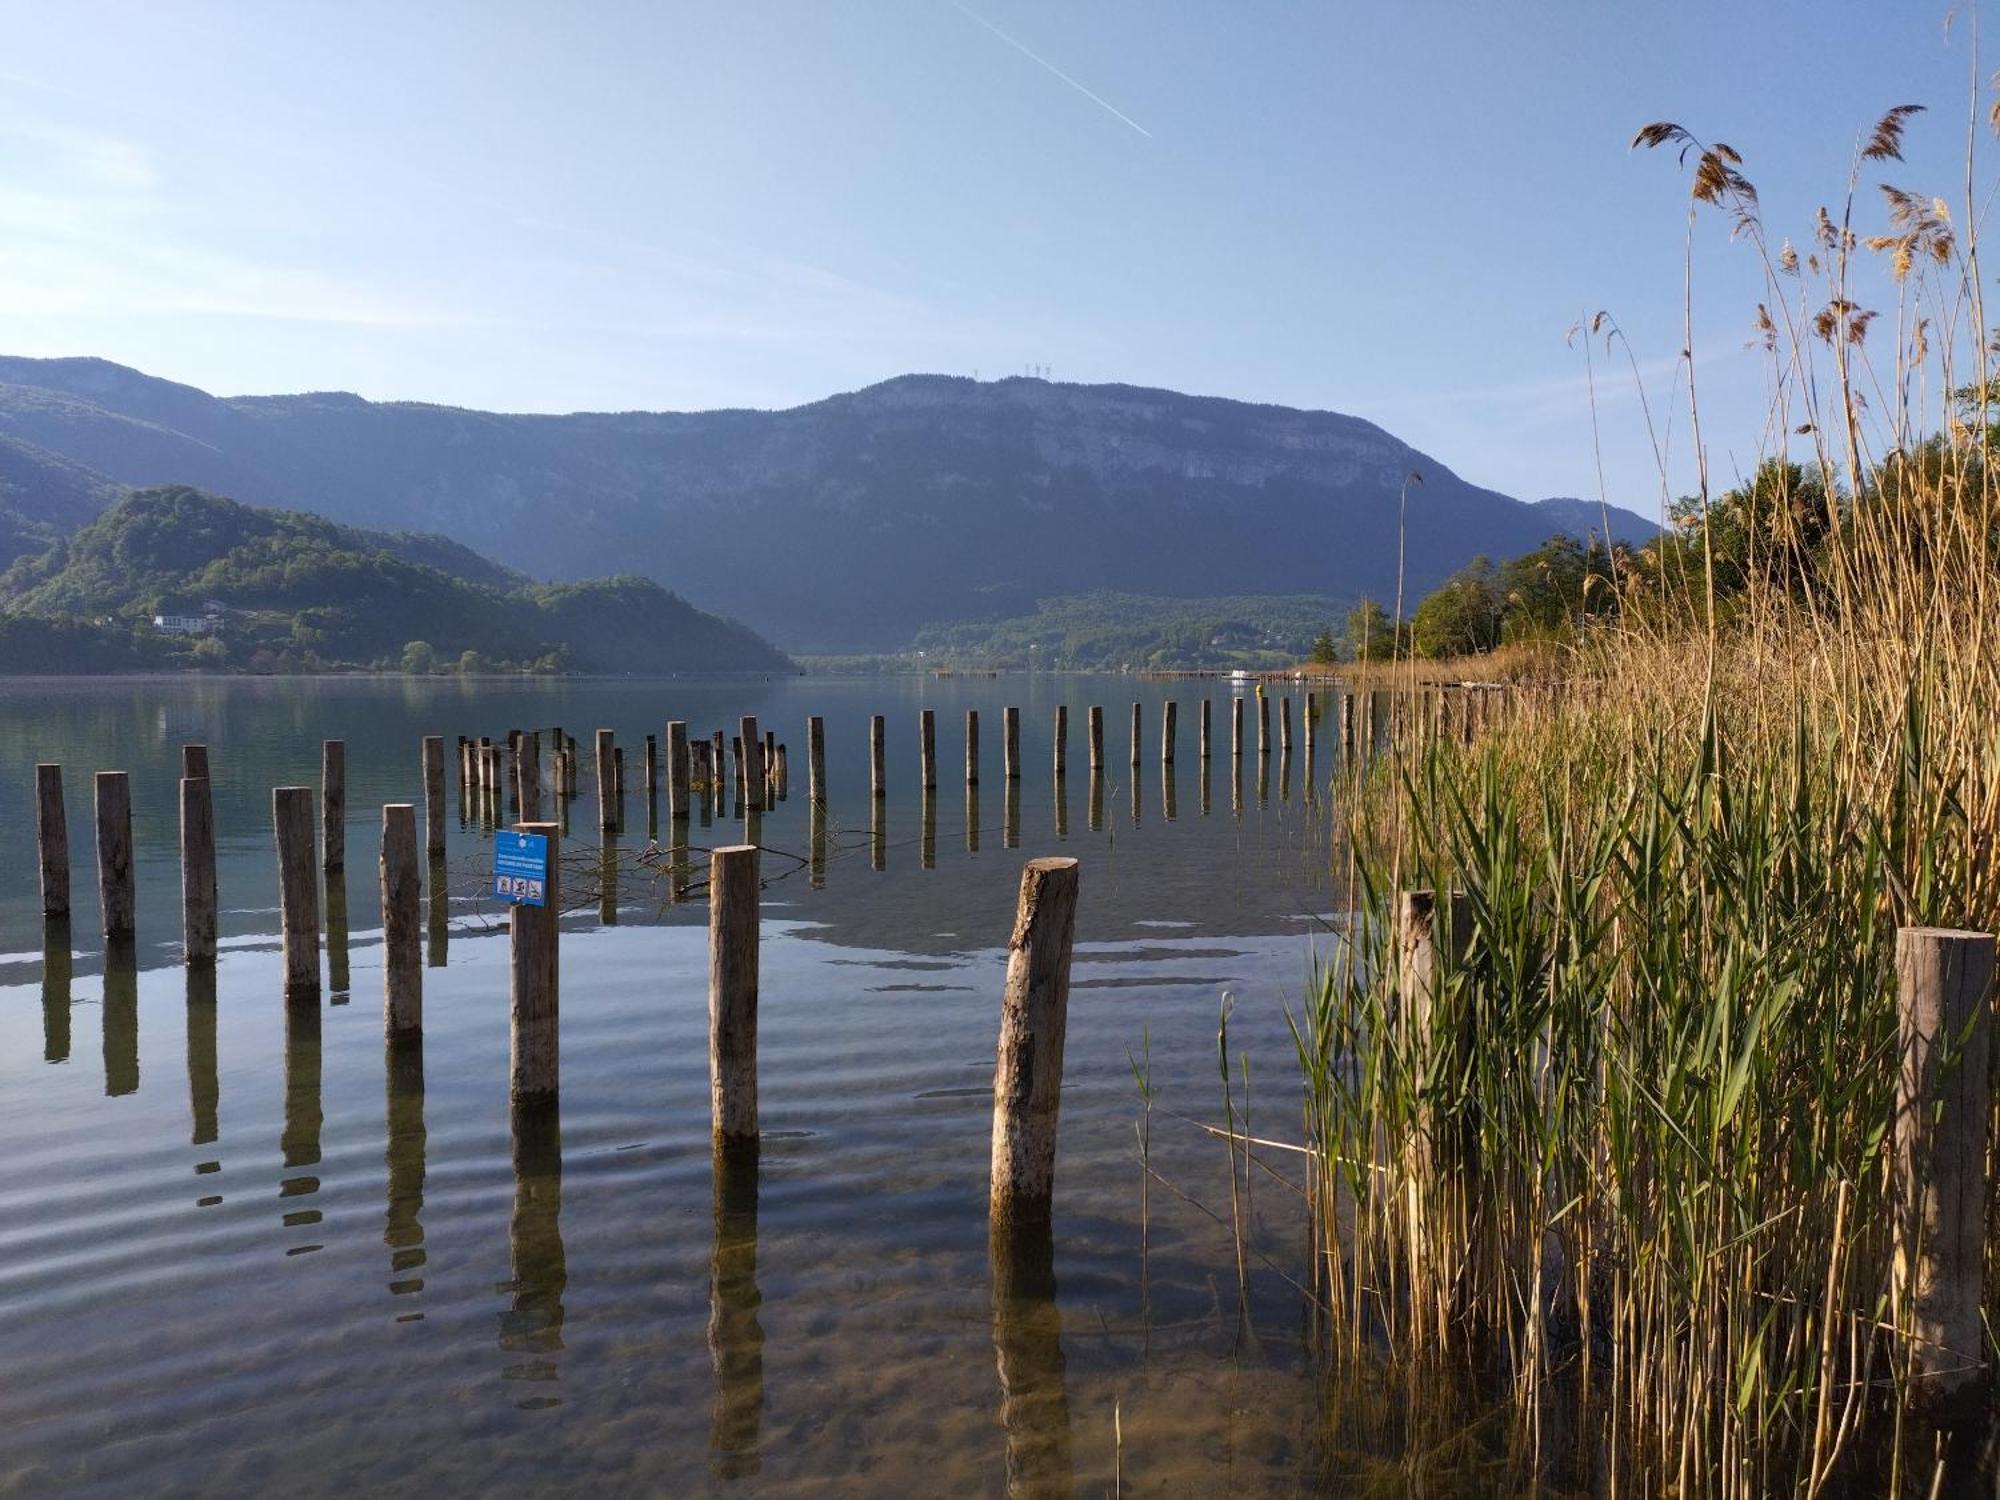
<point>843,524</point>
<point>43,496</point>
<point>298,583</point>
<point>1585,518</point>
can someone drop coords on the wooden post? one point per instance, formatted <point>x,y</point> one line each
<point>750,761</point>
<point>1285,724</point>
<point>1095,729</point>
<point>1010,742</point>
<point>677,770</point>
<point>1062,739</point>
<point>333,804</point>
<point>972,747</point>
<point>1263,724</point>
<point>607,782</point>
<point>1206,727</point>
<point>1347,724</point>
<point>198,905</point>
<point>782,778</point>
<point>927,749</point>
<point>528,777</point>
<point>816,760</point>
<point>115,893</point>
<point>1236,729</point>
<point>770,768</point>
<point>733,899</point>
<point>1168,718</point>
<point>194,761</point>
<point>718,768</point>
<point>402,927</point>
<point>1944,984</point>
<point>52,840</point>
<point>878,785</point>
<point>433,761</point>
<point>1311,721</point>
<point>652,769</point>
<point>1027,1074</point>
<point>618,783</point>
<point>534,1055</point>
<point>1423,956</point>
<point>298,889</point>
<point>1137,713</point>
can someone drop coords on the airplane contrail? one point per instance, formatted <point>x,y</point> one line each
<point>1097,99</point>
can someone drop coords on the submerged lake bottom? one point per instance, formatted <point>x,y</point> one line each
<point>246,1245</point>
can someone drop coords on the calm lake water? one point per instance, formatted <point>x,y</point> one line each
<point>243,1248</point>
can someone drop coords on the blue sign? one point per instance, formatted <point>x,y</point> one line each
<point>521,868</point>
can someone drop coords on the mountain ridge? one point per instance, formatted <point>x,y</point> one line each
<point>851,522</point>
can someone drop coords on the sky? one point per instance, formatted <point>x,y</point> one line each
<point>1396,209</point>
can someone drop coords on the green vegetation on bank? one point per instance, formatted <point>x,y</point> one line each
<point>1111,631</point>
<point>265,590</point>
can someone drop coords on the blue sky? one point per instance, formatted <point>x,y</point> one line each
<point>1394,209</point>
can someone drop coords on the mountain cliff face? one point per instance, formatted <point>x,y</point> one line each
<point>845,524</point>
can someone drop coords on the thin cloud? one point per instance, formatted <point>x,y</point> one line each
<point>1098,99</point>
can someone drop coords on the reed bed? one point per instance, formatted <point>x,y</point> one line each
<point>1629,1154</point>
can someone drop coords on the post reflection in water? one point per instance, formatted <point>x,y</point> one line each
<point>1062,805</point>
<point>1136,790</point>
<point>1263,780</point>
<point>972,817</point>
<point>337,981</point>
<point>1010,812</point>
<point>607,880</point>
<point>735,1337</point>
<point>1285,776</point>
<point>57,967</point>
<point>121,1019</point>
<point>878,834</point>
<point>1096,813</point>
<point>1169,806</point>
<point>1027,1353</point>
<point>677,860</point>
<point>532,1323</point>
<point>1312,773</point>
<point>439,924</point>
<point>707,801</point>
<point>1236,786</point>
<point>402,1229</point>
<point>816,842</point>
<point>929,844</point>
<point>299,1143</point>
<point>204,1090</point>
<point>1204,786</point>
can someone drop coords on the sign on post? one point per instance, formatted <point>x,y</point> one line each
<point>521,868</point>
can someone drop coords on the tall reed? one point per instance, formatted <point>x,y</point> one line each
<point>1637,1159</point>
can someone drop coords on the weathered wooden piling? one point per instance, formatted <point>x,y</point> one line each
<point>1095,733</point>
<point>434,810</point>
<point>528,778</point>
<point>816,761</point>
<point>878,783</point>
<point>402,927</point>
<point>1206,733</point>
<point>750,760</point>
<point>927,749</point>
<point>1285,724</point>
<point>652,769</point>
<point>194,761</point>
<point>1263,724</point>
<point>115,893</point>
<point>534,1066</point>
<point>298,889</point>
<point>198,903</point>
<point>678,771</point>
<point>1236,729</point>
<point>1137,724</point>
<point>607,782</point>
<point>972,747</point>
<point>618,783</point>
<point>1426,950</point>
<point>733,902</point>
<point>1061,748</point>
<point>782,778</point>
<point>1169,716</point>
<point>1010,742</point>
<point>52,840</point>
<point>1027,1074</point>
<point>1311,723</point>
<point>1347,723</point>
<point>333,805</point>
<point>1944,986</point>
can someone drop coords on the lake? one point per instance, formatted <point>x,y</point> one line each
<point>244,1247</point>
